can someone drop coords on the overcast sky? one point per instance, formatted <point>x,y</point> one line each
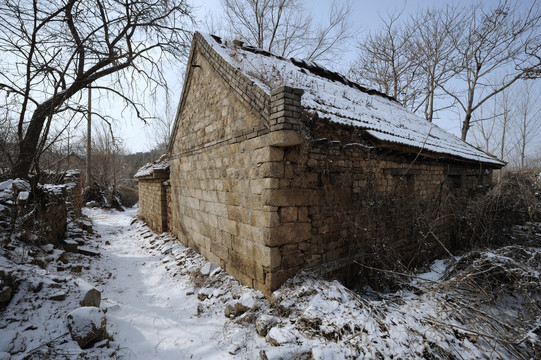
<point>366,15</point>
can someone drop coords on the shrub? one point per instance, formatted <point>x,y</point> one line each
<point>513,200</point>
<point>128,195</point>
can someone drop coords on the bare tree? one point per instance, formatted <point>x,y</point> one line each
<point>492,41</point>
<point>51,50</point>
<point>162,127</point>
<point>485,135</point>
<point>286,28</point>
<point>388,61</point>
<point>529,120</point>
<point>507,114</point>
<point>8,141</point>
<point>433,52</point>
<point>106,148</point>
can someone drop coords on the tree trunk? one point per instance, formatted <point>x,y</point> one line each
<point>466,125</point>
<point>28,146</point>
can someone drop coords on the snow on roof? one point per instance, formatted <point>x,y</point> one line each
<point>334,97</point>
<point>148,170</point>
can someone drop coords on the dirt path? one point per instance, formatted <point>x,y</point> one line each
<point>150,314</point>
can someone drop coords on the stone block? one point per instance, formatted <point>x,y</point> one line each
<point>265,218</point>
<point>241,263</point>
<point>303,214</point>
<point>241,277</point>
<point>267,256</point>
<point>224,238</point>
<point>238,214</point>
<point>288,214</point>
<point>258,185</point>
<point>268,153</point>
<point>289,249</point>
<point>285,138</point>
<point>248,232</point>
<point>243,247</point>
<point>228,225</point>
<point>289,233</point>
<point>288,171</point>
<point>209,256</point>
<point>293,261</point>
<point>271,169</point>
<point>219,250</point>
<point>290,197</point>
<point>274,279</point>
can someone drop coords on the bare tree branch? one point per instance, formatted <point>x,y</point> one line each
<point>286,28</point>
<point>51,50</point>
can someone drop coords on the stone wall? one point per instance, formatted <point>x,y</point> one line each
<point>219,167</point>
<point>340,200</point>
<point>74,183</point>
<point>153,204</point>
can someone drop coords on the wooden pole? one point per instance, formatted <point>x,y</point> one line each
<point>88,139</point>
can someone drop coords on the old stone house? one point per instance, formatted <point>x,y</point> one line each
<point>278,165</point>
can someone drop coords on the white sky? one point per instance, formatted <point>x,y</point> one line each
<point>366,14</point>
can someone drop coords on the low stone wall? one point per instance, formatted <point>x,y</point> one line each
<point>52,213</point>
<point>74,184</point>
<point>153,204</point>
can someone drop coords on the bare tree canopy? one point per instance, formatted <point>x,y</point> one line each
<point>50,50</point>
<point>489,42</point>
<point>389,63</point>
<point>286,28</point>
<point>460,55</point>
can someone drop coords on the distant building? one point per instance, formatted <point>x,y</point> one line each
<point>279,165</point>
<point>154,206</point>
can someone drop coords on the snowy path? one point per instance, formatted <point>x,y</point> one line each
<point>151,314</point>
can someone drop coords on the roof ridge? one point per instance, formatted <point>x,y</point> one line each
<point>311,66</point>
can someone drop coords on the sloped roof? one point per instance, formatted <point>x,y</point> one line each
<point>160,166</point>
<point>334,97</point>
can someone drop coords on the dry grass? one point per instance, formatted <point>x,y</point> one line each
<point>514,200</point>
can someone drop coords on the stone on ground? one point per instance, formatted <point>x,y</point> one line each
<point>87,325</point>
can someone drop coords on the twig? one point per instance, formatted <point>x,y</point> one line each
<point>397,273</point>
<point>26,356</point>
<point>478,333</point>
<point>442,245</point>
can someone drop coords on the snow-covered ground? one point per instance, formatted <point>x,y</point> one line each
<point>151,314</point>
<point>164,301</point>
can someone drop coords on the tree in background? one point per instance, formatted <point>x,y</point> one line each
<point>433,46</point>
<point>107,168</point>
<point>286,28</point>
<point>528,119</point>
<point>486,43</point>
<point>509,123</point>
<point>455,55</point>
<point>51,50</point>
<point>388,61</point>
<point>8,139</point>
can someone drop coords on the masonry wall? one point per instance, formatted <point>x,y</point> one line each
<point>74,191</point>
<point>153,205</point>
<point>220,164</point>
<point>342,199</point>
